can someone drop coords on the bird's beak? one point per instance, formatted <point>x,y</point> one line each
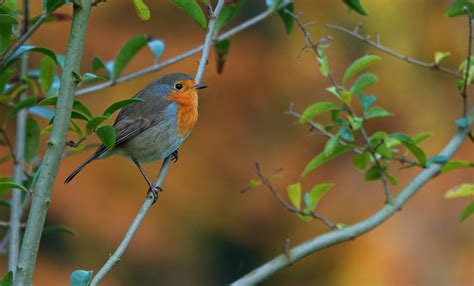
<point>200,86</point>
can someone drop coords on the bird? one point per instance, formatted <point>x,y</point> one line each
<point>154,128</point>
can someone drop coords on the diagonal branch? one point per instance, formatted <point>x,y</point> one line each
<point>376,44</point>
<point>159,66</point>
<point>115,257</point>
<point>349,233</point>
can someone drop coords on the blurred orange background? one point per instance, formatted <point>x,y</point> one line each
<point>203,231</point>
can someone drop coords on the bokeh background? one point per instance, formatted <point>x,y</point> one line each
<point>203,231</point>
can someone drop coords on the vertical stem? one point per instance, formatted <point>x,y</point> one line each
<point>15,203</point>
<point>55,149</point>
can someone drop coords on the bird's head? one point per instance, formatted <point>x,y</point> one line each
<point>182,88</point>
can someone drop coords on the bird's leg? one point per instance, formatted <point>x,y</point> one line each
<point>174,156</point>
<point>154,190</point>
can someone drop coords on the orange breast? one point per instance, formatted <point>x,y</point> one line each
<point>187,114</point>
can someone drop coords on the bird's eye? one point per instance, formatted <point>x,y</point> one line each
<point>178,86</point>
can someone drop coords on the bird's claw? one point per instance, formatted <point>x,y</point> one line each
<point>174,156</point>
<point>154,192</point>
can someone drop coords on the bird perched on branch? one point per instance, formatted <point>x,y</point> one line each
<point>155,128</point>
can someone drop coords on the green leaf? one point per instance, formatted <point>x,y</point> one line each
<point>5,77</point>
<point>321,158</point>
<point>80,107</point>
<point>411,145</point>
<point>106,135</point>
<point>47,66</point>
<point>456,164</point>
<point>457,8</point>
<point>98,64</point>
<point>362,82</point>
<point>392,179</point>
<point>355,122</point>
<point>294,194</point>
<point>79,115</point>
<point>361,161</point>
<point>7,279</point>
<point>228,12</point>
<point>191,7</point>
<point>80,277</point>
<point>359,65</point>
<point>90,77</point>
<point>51,5</point>
<point>422,137</point>
<point>57,229</point>
<point>323,62</point>
<point>366,101</point>
<point>32,140</point>
<point>126,54</point>
<point>222,49</point>
<point>5,35</point>
<point>94,122</point>
<point>142,10</point>
<point>374,173</point>
<point>346,134</point>
<point>7,19</point>
<point>26,49</point>
<point>157,48</point>
<point>313,197</point>
<point>331,145</point>
<point>287,19</point>
<point>254,183</point>
<point>346,97</point>
<point>6,186</point>
<point>464,190</point>
<point>52,100</point>
<point>27,102</point>
<point>317,109</point>
<point>439,56</point>
<point>376,112</point>
<point>356,6</point>
<point>384,151</point>
<point>467,211</point>
<point>120,104</point>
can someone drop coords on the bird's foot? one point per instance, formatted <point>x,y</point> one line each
<point>174,156</point>
<point>154,192</point>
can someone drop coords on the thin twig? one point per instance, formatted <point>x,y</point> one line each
<point>432,66</point>
<point>115,257</point>
<point>468,63</point>
<point>23,38</point>
<point>156,67</point>
<point>265,181</point>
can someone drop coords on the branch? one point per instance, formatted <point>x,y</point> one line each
<point>265,181</point>
<point>115,257</point>
<point>16,208</point>
<point>56,144</point>
<point>156,67</point>
<point>468,62</point>
<point>23,38</point>
<point>338,236</point>
<point>376,44</point>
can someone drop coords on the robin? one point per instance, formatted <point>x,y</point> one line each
<point>155,128</point>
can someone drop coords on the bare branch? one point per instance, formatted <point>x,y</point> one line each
<point>376,44</point>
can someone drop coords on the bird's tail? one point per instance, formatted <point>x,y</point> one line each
<point>76,171</point>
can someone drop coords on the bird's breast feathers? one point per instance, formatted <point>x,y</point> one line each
<point>187,112</point>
